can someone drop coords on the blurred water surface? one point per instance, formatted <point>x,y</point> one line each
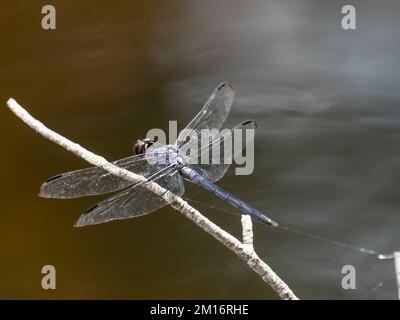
<point>327,148</point>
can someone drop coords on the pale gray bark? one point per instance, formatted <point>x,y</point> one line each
<point>247,230</point>
<point>397,268</point>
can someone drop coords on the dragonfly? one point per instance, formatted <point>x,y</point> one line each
<point>164,164</point>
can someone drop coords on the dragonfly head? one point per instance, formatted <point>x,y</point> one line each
<point>141,145</point>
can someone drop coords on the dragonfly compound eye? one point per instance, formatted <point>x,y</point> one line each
<point>139,147</point>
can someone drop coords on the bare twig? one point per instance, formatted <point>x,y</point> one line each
<point>244,251</point>
<point>397,268</point>
<point>247,230</point>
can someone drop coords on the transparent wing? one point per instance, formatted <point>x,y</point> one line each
<point>94,180</point>
<point>133,202</point>
<point>213,160</point>
<point>213,113</point>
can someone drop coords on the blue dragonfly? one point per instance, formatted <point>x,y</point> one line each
<point>165,165</point>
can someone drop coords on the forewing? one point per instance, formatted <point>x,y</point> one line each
<point>94,180</point>
<point>223,149</point>
<point>213,114</point>
<point>133,202</point>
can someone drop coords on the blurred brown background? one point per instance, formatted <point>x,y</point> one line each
<point>327,152</point>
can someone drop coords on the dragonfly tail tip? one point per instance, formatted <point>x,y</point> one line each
<point>269,221</point>
<point>274,224</point>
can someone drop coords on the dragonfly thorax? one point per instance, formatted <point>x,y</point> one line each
<point>164,155</point>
